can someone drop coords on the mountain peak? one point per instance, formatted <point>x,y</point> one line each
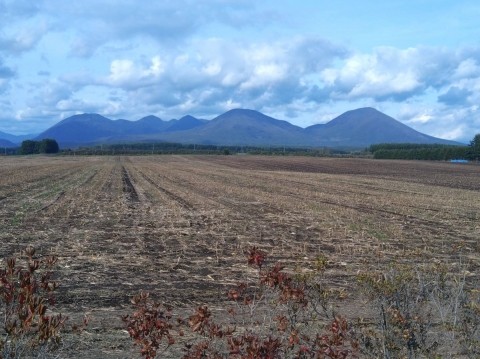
<point>185,123</point>
<point>242,111</point>
<point>365,110</point>
<point>86,117</point>
<point>242,116</point>
<point>364,114</point>
<point>150,118</point>
<point>366,126</point>
<point>187,118</point>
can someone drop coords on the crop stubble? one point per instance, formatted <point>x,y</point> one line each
<point>177,226</point>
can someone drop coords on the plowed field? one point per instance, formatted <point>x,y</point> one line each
<point>177,226</point>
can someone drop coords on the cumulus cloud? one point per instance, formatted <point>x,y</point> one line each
<point>215,72</point>
<point>467,68</point>
<point>452,123</point>
<point>126,74</point>
<point>389,73</point>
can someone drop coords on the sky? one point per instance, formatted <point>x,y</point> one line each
<point>304,61</point>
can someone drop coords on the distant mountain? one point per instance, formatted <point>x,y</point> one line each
<point>241,127</point>
<point>366,126</point>
<point>185,123</point>
<point>353,129</point>
<point>6,143</point>
<point>82,129</point>
<point>148,124</point>
<point>16,139</point>
<point>89,129</point>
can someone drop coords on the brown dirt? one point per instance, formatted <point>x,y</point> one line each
<point>177,226</point>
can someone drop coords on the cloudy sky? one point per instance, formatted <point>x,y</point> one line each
<point>303,61</point>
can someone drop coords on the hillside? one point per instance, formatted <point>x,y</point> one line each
<point>15,139</point>
<point>6,143</point>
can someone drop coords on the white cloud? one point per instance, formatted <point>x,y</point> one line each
<point>421,118</point>
<point>264,75</point>
<point>126,74</point>
<point>442,121</point>
<point>122,71</point>
<point>214,71</point>
<point>453,134</point>
<point>387,73</point>
<point>466,69</point>
<point>390,74</point>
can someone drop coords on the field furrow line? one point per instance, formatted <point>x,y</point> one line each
<point>179,200</point>
<point>218,189</point>
<point>128,188</point>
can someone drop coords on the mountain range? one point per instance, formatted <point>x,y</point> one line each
<point>353,129</point>
<point>8,140</point>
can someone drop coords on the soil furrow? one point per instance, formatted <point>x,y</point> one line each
<point>182,202</point>
<point>128,188</point>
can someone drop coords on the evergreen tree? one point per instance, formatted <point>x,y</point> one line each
<point>474,152</point>
<point>29,147</point>
<point>48,145</point>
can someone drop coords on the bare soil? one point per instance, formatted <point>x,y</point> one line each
<point>178,226</point>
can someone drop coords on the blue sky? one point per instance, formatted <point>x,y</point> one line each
<point>301,61</point>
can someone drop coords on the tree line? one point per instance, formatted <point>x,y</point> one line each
<point>435,152</point>
<point>160,148</point>
<point>47,145</point>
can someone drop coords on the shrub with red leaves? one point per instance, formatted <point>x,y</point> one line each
<point>26,293</point>
<point>273,318</point>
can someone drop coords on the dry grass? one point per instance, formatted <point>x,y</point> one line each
<point>177,226</point>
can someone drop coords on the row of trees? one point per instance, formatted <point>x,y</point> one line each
<point>432,153</point>
<point>30,147</point>
<point>178,148</point>
<point>436,152</point>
